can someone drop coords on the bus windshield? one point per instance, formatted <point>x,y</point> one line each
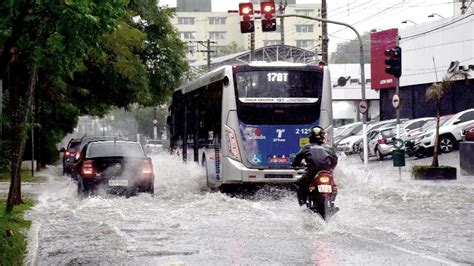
<point>278,85</point>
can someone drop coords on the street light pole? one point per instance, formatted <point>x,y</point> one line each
<point>362,76</point>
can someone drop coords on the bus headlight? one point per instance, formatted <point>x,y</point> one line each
<point>232,146</point>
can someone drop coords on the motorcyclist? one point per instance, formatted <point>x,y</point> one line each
<point>317,157</point>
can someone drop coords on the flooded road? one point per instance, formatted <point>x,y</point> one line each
<point>382,221</point>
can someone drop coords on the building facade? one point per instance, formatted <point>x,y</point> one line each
<point>223,31</point>
<point>194,6</point>
<point>430,52</point>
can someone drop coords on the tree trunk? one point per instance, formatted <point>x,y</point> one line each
<point>18,134</point>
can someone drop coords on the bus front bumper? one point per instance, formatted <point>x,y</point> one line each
<point>234,172</point>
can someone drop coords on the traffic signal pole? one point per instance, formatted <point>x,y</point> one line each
<point>362,76</point>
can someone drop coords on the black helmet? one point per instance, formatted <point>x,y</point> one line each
<point>316,135</point>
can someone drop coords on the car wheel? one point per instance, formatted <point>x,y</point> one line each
<point>361,154</point>
<point>446,144</point>
<point>378,154</point>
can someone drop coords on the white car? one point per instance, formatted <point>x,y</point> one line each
<point>153,145</point>
<point>449,133</point>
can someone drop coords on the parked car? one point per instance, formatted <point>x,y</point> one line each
<point>410,137</point>
<point>450,133</point>
<point>70,155</point>
<point>118,166</point>
<point>349,130</point>
<point>468,133</point>
<point>380,142</point>
<point>154,145</point>
<point>411,127</point>
<point>371,126</point>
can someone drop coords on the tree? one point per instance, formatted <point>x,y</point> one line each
<point>436,93</point>
<point>76,58</point>
<point>349,52</point>
<point>45,37</point>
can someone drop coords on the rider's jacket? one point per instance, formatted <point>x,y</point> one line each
<point>317,158</point>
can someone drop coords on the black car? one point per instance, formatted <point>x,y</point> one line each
<point>118,166</point>
<point>70,155</point>
<point>74,162</point>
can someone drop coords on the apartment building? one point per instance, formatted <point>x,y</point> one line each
<point>223,30</point>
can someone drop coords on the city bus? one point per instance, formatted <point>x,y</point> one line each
<point>244,123</point>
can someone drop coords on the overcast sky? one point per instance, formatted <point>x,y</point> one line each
<point>364,15</point>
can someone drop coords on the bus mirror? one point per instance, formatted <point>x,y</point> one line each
<point>225,81</point>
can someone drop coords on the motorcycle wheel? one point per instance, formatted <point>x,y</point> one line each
<point>323,206</point>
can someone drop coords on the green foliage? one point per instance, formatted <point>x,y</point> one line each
<point>13,248</point>
<point>417,169</point>
<point>349,52</point>
<point>25,177</point>
<point>92,56</point>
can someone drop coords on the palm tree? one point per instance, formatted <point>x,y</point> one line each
<point>435,93</point>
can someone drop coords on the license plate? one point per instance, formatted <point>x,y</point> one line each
<point>325,188</point>
<point>118,183</point>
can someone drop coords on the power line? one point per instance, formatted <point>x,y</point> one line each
<point>437,28</point>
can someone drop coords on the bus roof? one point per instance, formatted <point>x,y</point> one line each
<point>220,73</point>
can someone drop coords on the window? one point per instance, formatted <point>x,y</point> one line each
<point>217,35</point>
<point>305,43</point>
<point>186,21</point>
<point>217,21</point>
<point>466,117</point>
<point>187,35</point>
<point>271,42</point>
<point>304,12</point>
<point>304,28</point>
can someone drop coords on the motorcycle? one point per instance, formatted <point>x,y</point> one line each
<point>321,194</point>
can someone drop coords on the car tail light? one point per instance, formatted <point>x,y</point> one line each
<point>147,169</point>
<point>67,153</point>
<point>77,156</point>
<point>87,169</point>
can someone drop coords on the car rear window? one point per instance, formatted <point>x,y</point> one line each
<point>110,149</point>
<point>73,144</point>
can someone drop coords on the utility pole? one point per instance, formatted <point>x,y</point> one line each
<point>324,32</point>
<point>283,5</point>
<point>208,50</point>
<point>252,46</point>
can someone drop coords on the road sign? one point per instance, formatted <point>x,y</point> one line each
<point>396,101</point>
<point>363,107</point>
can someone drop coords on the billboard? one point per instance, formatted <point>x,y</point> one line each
<point>379,42</point>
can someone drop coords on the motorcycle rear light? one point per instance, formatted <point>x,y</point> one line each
<point>87,169</point>
<point>381,141</point>
<point>324,179</point>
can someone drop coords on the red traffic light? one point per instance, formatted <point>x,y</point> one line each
<point>247,19</point>
<point>245,9</point>
<point>268,17</point>
<point>393,64</point>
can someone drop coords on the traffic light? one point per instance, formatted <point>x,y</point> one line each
<point>267,10</point>
<point>247,20</point>
<point>393,65</point>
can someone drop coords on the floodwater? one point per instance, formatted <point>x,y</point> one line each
<point>383,220</point>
